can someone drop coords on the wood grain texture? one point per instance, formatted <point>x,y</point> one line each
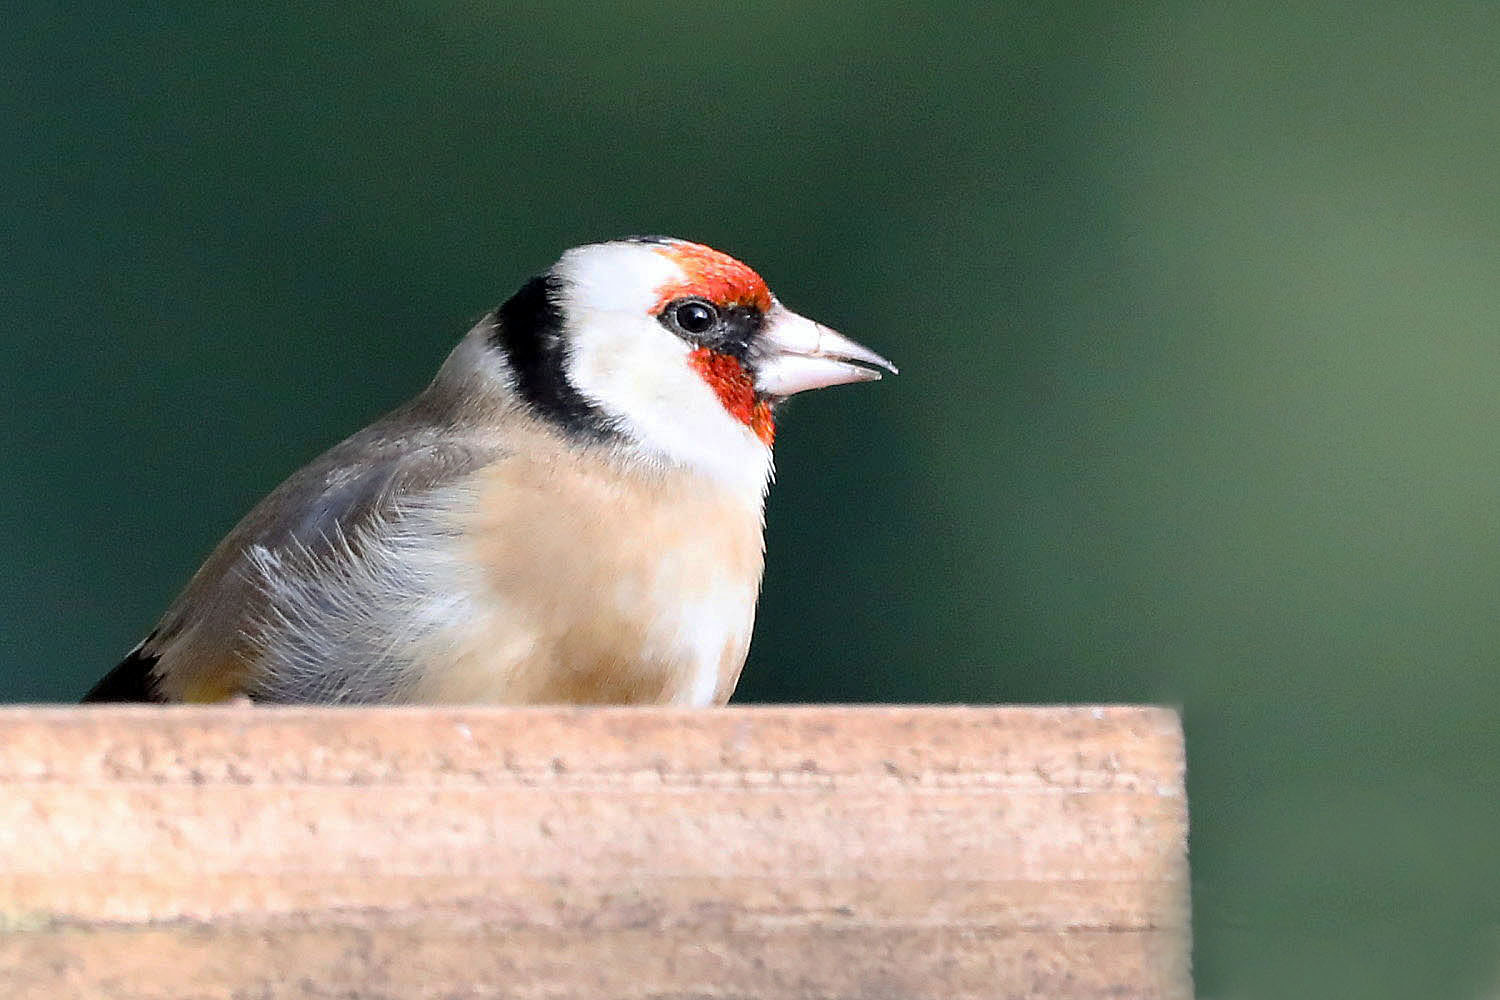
<point>818,852</point>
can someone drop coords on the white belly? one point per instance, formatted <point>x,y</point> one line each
<point>588,589</point>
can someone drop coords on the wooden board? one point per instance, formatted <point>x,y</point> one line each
<point>810,852</point>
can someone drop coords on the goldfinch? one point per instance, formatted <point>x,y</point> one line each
<point>571,512</point>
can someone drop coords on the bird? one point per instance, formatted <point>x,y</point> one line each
<point>571,512</point>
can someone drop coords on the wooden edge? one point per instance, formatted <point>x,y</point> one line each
<point>840,851</point>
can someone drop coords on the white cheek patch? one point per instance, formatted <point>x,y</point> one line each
<point>638,372</point>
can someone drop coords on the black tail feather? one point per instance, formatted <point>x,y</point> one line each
<point>132,680</point>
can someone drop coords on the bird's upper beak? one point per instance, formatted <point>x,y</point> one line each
<point>795,354</point>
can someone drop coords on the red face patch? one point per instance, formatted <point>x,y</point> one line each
<point>724,281</point>
<point>736,390</point>
<point>711,275</point>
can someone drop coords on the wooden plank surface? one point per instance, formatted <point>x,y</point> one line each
<point>813,852</point>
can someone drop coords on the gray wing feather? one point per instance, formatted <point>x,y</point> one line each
<point>291,571</point>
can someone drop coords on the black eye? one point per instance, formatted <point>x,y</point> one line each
<point>695,317</point>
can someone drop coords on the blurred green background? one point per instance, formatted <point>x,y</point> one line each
<point>1198,311</point>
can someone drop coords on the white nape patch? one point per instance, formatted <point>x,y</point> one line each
<point>348,619</point>
<point>625,362</point>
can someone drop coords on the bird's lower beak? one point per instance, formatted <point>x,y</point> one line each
<point>795,354</point>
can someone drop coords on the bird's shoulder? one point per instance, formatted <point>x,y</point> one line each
<point>366,485</point>
<point>372,474</point>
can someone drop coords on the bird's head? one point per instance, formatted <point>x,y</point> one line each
<point>671,348</point>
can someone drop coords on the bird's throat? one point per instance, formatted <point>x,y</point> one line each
<point>735,387</point>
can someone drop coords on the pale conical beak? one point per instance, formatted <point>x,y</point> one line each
<point>794,354</point>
